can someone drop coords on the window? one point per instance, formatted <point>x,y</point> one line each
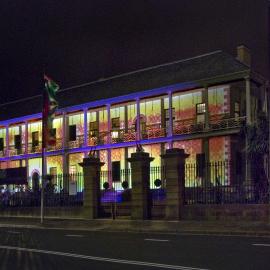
<point>53,136</point>
<point>53,174</point>
<point>167,116</point>
<point>35,138</point>
<point>200,164</point>
<point>72,133</point>
<point>200,108</point>
<point>116,171</point>
<point>17,140</point>
<point>200,112</point>
<point>93,129</point>
<point>72,171</point>
<point>1,144</point>
<point>116,123</point>
<point>236,109</point>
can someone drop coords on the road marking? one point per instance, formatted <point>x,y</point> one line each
<point>73,255</point>
<point>261,245</point>
<point>156,240</point>
<point>74,235</point>
<point>14,232</point>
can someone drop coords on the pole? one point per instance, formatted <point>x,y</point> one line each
<point>44,119</point>
<point>42,185</point>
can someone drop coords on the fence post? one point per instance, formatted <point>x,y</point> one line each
<point>174,162</point>
<point>91,172</point>
<point>140,178</point>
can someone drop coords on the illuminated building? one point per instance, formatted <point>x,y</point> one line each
<point>198,104</point>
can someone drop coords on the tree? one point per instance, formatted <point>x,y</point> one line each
<point>257,149</point>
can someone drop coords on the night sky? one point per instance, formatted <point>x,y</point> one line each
<point>80,41</point>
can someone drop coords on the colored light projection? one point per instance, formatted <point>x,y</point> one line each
<point>55,162</point>
<point>118,112</point>
<point>131,114</point>
<point>191,147</point>
<point>118,154</point>
<point>34,168</point>
<point>55,169</point>
<point>58,125</point>
<point>74,168</point>
<point>15,131</point>
<point>185,104</point>
<point>219,154</point>
<point>16,163</point>
<point>219,100</point>
<point>73,161</point>
<point>3,165</point>
<point>3,139</point>
<point>151,109</point>
<point>155,151</point>
<point>103,120</point>
<point>35,128</point>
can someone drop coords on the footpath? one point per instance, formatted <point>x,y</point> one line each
<point>153,226</point>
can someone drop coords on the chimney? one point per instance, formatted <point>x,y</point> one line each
<point>243,55</point>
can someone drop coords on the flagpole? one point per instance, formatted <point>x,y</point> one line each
<point>43,160</point>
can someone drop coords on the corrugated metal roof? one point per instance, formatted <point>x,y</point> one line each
<point>194,69</point>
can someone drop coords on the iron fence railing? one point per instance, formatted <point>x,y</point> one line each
<point>227,194</point>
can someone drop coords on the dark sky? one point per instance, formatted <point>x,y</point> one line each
<point>80,41</point>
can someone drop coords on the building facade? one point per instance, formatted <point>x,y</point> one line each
<point>198,104</point>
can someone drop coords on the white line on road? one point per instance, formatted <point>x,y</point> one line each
<point>74,235</point>
<point>73,255</point>
<point>156,240</point>
<point>13,232</point>
<point>261,245</point>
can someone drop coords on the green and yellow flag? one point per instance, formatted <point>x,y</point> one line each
<point>50,105</point>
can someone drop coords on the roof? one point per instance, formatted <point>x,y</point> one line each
<point>194,69</point>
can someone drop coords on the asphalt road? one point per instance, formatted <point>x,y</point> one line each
<point>26,249</point>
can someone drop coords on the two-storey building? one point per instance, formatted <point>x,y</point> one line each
<point>198,104</point>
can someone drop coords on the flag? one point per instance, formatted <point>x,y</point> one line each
<point>50,105</point>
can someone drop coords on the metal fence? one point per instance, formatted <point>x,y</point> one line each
<point>59,190</point>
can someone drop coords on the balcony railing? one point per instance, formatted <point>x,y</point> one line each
<point>216,122</point>
<point>16,151</point>
<point>153,131</point>
<point>77,143</point>
<point>57,146</point>
<point>3,152</point>
<point>123,135</point>
<point>36,148</point>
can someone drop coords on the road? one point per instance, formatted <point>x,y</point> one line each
<point>26,249</point>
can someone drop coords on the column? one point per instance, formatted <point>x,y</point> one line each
<point>205,100</point>
<point>138,120</point>
<point>170,128</point>
<point>91,173</point>
<point>248,101</point>
<point>126,119</point>
<point>85,128</point>
<point>206,171</point>
<point>174,161</point>
<point>248,121</point>
<point>7,141</point>
<point>65,181</point>
<point>108,106</point>
<point>140,177</point>
<point>26,137</point>
<point>65,130</point>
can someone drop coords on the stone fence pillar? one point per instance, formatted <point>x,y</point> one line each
<point>140,178</point>
<point>174,161</point>
<point>91,172</point>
